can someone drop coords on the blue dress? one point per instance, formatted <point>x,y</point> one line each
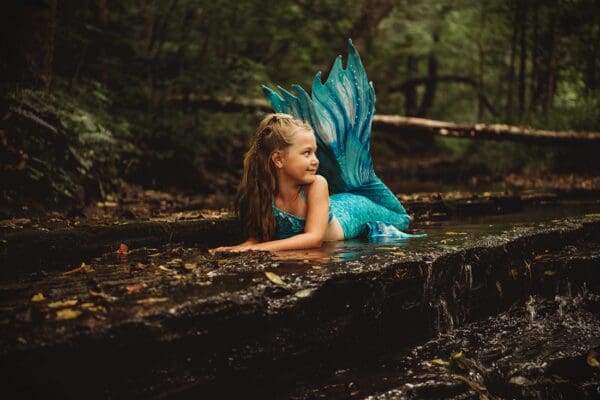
<point>340,111</point>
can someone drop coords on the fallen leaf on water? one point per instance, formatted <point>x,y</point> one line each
<point>304,293</point>
<point>549,273</point>
<point>154,255</point>
<point>592,359</point>
<point>175,261</point>
<point>190,266</point>
<point>106,204</point>
<point>82,268</point>
<point>102,295</point>
<point>67,313</point>
<point>93,307</point>
<point>152,300</point>
<point>474,385</point>
<point>165,269</point>
<point>398,253</point>
<point>38,297</point>
<point>455,233</point>
<point>276,279</point>
<point>316,267</point>
<point>519,380</point>
<point>63,303</point>
<point>458,359</point>
<point>204,283</point>
<point>440,362</point>
<point>123,249</point>
<point>134,288</point>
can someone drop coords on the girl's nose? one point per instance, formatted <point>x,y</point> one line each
<point>315,160</point>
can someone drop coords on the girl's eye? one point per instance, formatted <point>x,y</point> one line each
<point>307,152</point>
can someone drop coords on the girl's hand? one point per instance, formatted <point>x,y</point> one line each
<point>223,249</point>
<point>234,249</point>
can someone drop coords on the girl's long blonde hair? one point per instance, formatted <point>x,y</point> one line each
<point>259,179</point>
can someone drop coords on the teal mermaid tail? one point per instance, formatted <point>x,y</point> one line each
<point>340,111</point>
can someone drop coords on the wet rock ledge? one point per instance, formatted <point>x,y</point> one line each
<point>25,248</point>
<point>176,323</point>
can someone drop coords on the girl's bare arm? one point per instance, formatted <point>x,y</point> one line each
<point>317,215</point>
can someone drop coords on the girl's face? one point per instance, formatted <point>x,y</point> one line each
<point>299,161</point>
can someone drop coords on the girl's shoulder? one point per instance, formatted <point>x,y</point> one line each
<point>319,186</point>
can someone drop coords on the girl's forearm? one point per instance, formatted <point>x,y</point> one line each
<point>296,242</point>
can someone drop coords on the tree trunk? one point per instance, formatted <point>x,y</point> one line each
<point>410,92</point>
<point>371,13</point>
<point>27,43</point>
<point>523,56</point>
<point>533,91</point>
<point>431,85</point>
<point>101,41</point>
<point>481,60</point>
<point>511,68</point>
<point>550,85</point>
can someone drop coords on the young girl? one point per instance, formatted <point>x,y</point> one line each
<point>282,202</point>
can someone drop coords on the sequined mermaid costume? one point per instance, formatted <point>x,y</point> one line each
<point>340,113</point>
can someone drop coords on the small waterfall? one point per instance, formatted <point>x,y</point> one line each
<point>530,306</point>
<point>443,320</point>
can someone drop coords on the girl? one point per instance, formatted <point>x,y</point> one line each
<point>282,202</point>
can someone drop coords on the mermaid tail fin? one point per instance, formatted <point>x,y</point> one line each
<point>340,112</point>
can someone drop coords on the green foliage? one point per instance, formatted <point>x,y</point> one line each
<point>60,148</point>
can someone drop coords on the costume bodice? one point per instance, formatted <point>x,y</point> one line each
<point>289,224</point>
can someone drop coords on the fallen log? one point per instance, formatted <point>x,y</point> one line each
<point>401,124</point>
<point>500,132</point>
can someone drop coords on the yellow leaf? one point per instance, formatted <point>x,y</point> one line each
<point>93,308</point>
<point>439,362</point>
<point>276,279</point>
<point>102,295</point>
<point>474,385</point>
<point>38,297</point>
<point>82,268</point>
<point>152,300</point>
<point>549,273</point>
<point>519,380</point>
<point>592,359</point>
<point>304,293</point>
<point>316,267</point>
<point>134,288</point>
<point>455,233</point>
<point>398,253</point>
<point>67,313</point>
<point>165,268</point>
<point>63,303</point>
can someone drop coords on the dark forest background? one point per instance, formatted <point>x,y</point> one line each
<point>97,95</point>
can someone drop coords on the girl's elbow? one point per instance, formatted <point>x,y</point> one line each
<point>317,240</point>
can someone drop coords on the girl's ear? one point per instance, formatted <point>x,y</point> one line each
<point>277,159</point>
